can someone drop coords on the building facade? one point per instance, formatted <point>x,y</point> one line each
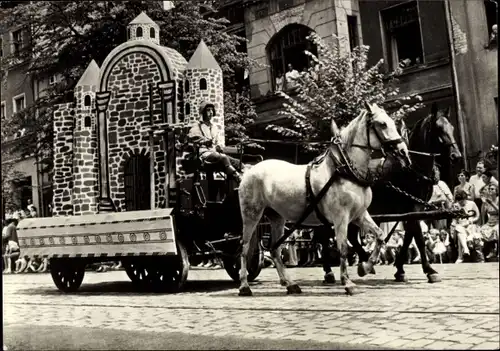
<point>18,91</point>
<point>447,60</point>
<point>418,35</point>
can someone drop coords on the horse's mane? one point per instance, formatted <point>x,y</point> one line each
<point>353,125</point>
<point>419,128</point>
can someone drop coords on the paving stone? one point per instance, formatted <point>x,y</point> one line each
<point>273,314</point>
<point>487,346</point>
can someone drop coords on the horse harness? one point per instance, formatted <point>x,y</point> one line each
<point>344,168</point>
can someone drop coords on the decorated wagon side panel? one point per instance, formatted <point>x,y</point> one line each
<point>135,233</point>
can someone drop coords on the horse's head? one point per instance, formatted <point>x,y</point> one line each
<point>444,131</point>
<point>383,134</point>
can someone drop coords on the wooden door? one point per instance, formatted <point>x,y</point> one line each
<point>137,187</point>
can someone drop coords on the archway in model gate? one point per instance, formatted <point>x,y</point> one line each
<point>137,183</point>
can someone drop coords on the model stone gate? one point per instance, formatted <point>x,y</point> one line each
<point>104,160</point>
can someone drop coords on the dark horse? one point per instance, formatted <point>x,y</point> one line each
<point>431,135</point>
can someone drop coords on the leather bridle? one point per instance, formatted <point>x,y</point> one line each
<point>390,144</point>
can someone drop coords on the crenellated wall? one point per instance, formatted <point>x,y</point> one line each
<point>64,117</point>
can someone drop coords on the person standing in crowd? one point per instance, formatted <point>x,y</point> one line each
<point>279,82</point>
<point>441,197</point>
<point>463,228</point>
<point>291,77</point>
<point>477,183</point>
<point>465,185</point>
<point>489,230</point>
<point>31,209</point>
<point>488,179</point>
<point>13,251</point>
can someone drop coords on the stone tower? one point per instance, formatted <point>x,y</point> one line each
<point>143,28</point>
<point>85,159</point>
<point>203,82</point>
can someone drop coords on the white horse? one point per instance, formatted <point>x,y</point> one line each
<point>281,186</point>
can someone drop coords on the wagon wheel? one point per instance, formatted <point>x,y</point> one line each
<point>232,264</point>
<point>67,276</point>
<point>168,273</point>
<point>138,272</point>
<point>174,274</point>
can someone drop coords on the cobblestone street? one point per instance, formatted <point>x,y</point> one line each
<point>462,312</point>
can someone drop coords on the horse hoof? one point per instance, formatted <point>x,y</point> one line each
<point>434,278</point>
<point>361,269</point>
<point>350,290</point>
<point>329,278</point>
<point>283,282</point>
<point>293,289</point>
<point>401,278</point>
<point>364,268</point>
<point>245,291</point>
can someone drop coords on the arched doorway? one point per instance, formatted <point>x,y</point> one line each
<point>287,48</point>
<point>137,183</point>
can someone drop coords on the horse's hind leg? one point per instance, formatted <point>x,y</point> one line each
<point>323,237</point>
<point>432,275</point>
<point>366,222</point>
<point>402,256</point>
<point>251,216</point>
<point>277,228</point>
<point>352,235</point>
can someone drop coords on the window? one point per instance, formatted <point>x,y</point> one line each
<point>152,33</point>
<point>284,4</point>
<point>87,101</point>
<point>352,26</point>
<point>403,37</point>
<point>491,8</point>
<point>287,48</point>
<point>203,84</point>
<point>87,122</point>
<point>138,32</point>
<point>186,86</point>
<point>17,41</point>
<point>3,110</point>
<point>188,109</point>
<point>19,103</point>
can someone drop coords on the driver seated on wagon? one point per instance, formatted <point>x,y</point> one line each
<point>205,134</point>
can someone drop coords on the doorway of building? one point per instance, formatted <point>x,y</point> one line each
<point>137,187</point>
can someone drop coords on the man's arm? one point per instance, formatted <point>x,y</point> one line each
<point>196,136</point>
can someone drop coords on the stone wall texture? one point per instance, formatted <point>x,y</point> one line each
<point>128,113</point>
<point>85,155</point>
<point>63,159</point>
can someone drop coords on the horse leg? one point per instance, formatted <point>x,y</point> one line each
<point>366,222</point>
<point>352,234</point>
<point>402,256</point>
<point>341,234</point>
<point>251,217</point>
<point>277,229</point>
<point>432,275</point>
<point>324,240</point>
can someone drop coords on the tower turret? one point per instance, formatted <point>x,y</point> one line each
<point>85,153</point>
<point>143,28</point>
<point>203,83</point>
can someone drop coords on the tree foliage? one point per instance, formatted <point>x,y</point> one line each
<point>9,175</point>
<point>65,36</point>
<point>335,86</point>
